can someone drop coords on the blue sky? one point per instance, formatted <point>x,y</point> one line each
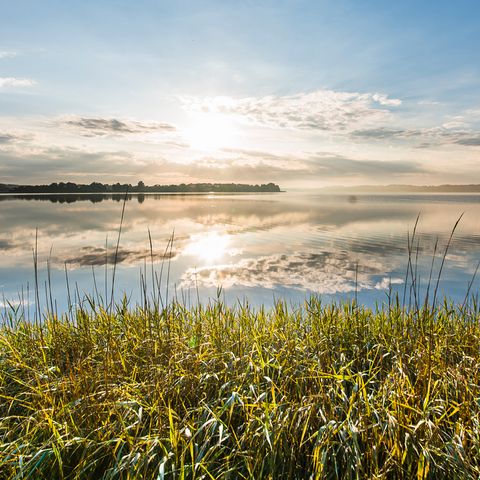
<point>304,93</point>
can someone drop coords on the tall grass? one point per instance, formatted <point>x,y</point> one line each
<point>319,391</point>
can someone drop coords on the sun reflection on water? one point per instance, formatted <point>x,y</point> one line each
<point>208,247</point>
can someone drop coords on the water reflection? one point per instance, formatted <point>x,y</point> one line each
<point>255,246</point>
<point>328,272</point>
<point>97,257</point>
<point>73,197</point>
<point>209,247</point>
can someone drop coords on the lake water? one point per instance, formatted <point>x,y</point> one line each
<point>256,247</point>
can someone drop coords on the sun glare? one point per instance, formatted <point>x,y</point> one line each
<point>209,247</point>
<point>210,131</point>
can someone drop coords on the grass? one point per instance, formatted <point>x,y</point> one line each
<point>318,391</point>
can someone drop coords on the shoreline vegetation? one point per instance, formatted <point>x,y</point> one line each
<point>104,188</point>
<point>208,392</point>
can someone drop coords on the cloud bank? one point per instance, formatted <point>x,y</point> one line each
<point>57,163</point>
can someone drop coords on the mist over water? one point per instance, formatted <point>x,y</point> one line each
<point>256,247</point>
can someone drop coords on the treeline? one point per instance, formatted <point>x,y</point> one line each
<point>96,187</point>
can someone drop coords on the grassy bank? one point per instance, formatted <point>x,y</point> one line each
<point>313,392</point>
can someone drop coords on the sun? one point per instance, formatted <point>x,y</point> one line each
<point>210,131</point>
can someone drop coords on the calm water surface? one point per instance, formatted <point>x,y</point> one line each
<point>256,247</point>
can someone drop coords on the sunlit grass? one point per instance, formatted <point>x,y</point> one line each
<point>317,391</point>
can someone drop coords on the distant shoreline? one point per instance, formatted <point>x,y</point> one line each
<point>446,188</point>
<point>95,188</point>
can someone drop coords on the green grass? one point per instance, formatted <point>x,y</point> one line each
<point>317,391</point>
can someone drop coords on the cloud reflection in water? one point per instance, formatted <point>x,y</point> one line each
<point>327,272</point>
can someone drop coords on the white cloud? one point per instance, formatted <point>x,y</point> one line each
<point>386,283</point>
<point>16,82</point>
<point>7,54</point>
<point>455,122</point>
<point>323,110</point>
<point>384,100</point>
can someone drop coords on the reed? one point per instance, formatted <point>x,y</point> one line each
<point>317,391</point>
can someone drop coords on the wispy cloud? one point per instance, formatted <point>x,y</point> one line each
<point>53,164</point>
<point>324,110</point>
<point>17,139</point>
<point>6,138</point>
<point>94,126</point>
<point>424,137</point>
<point>314,165</point>
<point>340,166</point>
<point>16,82</point>
<point>383,133</point>
<point>7,54</point>
<point>469,140</point>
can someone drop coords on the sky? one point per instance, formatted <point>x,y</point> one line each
<point>305,94</point>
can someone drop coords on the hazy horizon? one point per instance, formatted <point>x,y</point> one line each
<point>302,94</point>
